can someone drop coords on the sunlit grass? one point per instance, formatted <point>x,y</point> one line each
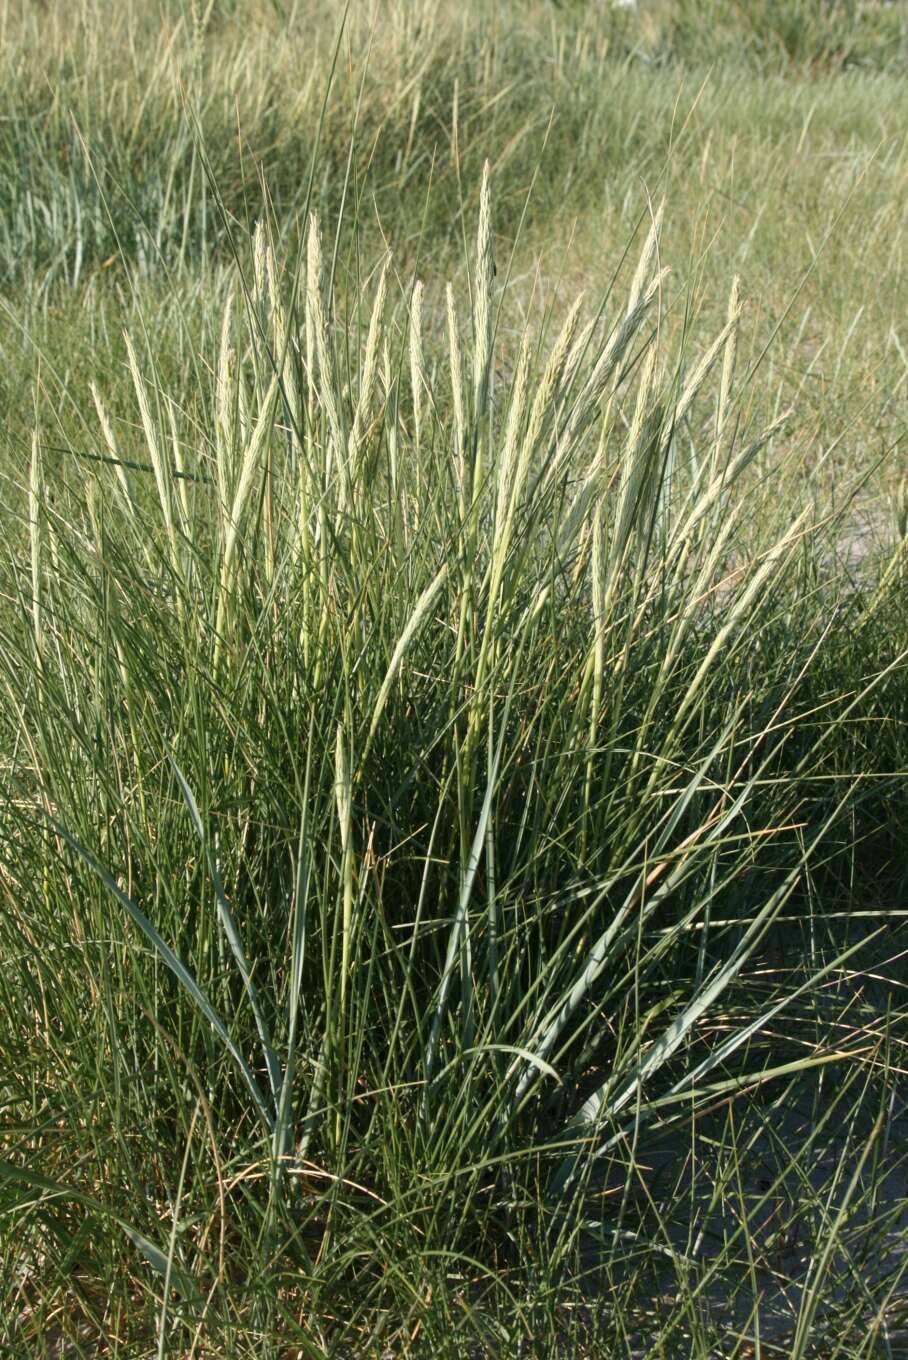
<point>453,752</point>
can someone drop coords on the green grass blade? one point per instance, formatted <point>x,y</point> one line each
<point>179,970</point>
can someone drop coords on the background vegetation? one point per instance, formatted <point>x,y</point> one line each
<point>452,647</point>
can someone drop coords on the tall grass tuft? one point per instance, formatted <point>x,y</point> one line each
<point>409,784</point>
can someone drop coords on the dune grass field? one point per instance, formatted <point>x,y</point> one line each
<point>453,694</point>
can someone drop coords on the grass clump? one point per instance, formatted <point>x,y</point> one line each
<point>453,747</point>
<point>417,757</point>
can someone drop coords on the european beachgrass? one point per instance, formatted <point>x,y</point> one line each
<point>424,779</point>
